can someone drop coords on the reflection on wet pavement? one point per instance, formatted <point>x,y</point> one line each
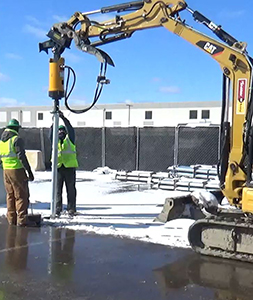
<point>62,253</point>
<point>16,248</point>
<point>60,263</point>
<point>230,280</point>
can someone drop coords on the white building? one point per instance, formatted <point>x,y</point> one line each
<point>120,115</point>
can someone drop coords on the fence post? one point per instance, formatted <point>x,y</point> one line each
<point>176,144</point>
<point>103,146</point>
<point>42,143</point>
<point>219,145</point>
<point>137,148</point>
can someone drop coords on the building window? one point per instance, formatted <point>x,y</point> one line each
<point>26,116</point>
<point>15,115</point>
<point>40,116</point>
<point>148,115</point>
<point>108,115</point>
<point>205,114</point>
<point>193,114</point>
<point>3,116</point>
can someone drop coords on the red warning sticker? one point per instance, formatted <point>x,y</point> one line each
<point>241,95</point>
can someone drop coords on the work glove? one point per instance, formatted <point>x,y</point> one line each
<point>30,176</point>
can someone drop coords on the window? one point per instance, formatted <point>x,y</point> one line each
<point>26,116</point>
<point>15,115</point>
<point>40,116</point>
<point>117,123</point>
<point>108,115</point>
<point>205,114</point>
<point>193,114</point>
<point>148,115</point>
<point>3,116</point>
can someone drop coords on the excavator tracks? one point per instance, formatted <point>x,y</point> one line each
<point>223,237</point>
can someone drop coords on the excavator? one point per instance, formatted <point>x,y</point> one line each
<point>225,233</point>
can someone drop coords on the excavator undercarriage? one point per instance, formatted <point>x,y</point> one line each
<point>219,232</point>
<point>228,236</point>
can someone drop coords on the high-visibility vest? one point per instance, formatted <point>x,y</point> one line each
<point>67,154</point>
<point>8,154</point>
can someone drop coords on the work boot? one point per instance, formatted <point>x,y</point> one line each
<point>58,214</point>
<point>71,213</point>
<point>12,223</point>
<point>28,223</point>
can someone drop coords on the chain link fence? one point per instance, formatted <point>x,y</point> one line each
<point>89,148</point>
<point>156,148</point>
<point>146,149</point>
<point>196,145</point>
<point>120,148</point>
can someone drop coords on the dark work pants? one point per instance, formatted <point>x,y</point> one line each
<point>67,176</point>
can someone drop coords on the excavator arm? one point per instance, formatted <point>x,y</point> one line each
<point>231,55</point>
<point>235,165</point>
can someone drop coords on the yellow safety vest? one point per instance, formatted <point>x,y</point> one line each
<point>67,154</point>
<point>8,154</point>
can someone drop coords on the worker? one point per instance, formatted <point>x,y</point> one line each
<point>17,173</point>
<point>66,167</point>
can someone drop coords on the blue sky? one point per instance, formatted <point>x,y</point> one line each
<point>153,65</point>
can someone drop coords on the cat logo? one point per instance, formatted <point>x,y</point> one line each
<point>210,48</point>
<point>212,26</point>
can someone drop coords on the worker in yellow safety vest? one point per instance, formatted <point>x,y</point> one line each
<point>66,168</point>
<point>17,173</point>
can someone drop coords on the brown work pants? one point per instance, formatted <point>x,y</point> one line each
<point>17,199</point>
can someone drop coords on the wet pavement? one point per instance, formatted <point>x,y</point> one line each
<point>130,187</point>
<point>60,263</point>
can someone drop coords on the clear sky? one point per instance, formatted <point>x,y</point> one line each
<point>153,65</point>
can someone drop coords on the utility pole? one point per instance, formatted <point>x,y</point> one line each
<point>129,110</point>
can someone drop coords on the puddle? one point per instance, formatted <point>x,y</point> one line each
<point>130,188</point>
<point>84,180</point>
<point>42,180</point>
<point>77,180</point>
<point>228,278</point>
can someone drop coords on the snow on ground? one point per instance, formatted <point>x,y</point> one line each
<point>110,207</point>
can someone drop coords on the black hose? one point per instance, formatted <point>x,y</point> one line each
<point>98,90</point>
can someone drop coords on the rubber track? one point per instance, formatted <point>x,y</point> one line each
<point>235,227</point>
